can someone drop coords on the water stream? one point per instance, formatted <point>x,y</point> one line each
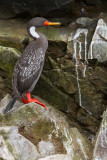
<point>78,57</point>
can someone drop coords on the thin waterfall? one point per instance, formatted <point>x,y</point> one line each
<point>76,42</point>
<point>77,74</point>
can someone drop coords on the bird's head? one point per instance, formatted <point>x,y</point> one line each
<point>38,22</point>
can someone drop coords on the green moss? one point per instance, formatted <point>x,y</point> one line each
<point>10,148</point>
<point>4,134</point>
<point>53,33</point>
<point>50,32</point>
<point>8,58</point>
<point>37,131</point>
<point>42,129</point>
<point>2,158</point>
<point>25,115</point>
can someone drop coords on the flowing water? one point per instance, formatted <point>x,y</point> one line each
<point>78,57</point>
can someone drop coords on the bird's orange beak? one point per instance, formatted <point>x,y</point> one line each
<point>51,23</point>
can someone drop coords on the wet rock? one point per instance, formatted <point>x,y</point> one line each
<point>78,45</point>
<point>41,128</point>
<point>94,103</point>
<point>100,147</point>
<point>98,46</point>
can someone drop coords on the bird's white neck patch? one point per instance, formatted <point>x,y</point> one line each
<point>33,32</point>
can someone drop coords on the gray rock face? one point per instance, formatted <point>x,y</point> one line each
<point>20,147</point>
<point>46,148</point>
<point>100,148</point>
<point>98,47</point>
<point>57,157</point>
<point>4,152</point>
<point>34,133</point>
<point>84,21</point>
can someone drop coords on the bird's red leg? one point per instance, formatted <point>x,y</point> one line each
<point>29,99</point>
<point>32,100</point>
<point>24,100</point>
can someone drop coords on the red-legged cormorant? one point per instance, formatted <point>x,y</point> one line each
<point>29,66</point>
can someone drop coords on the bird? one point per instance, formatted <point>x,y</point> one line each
<point>30,64</point>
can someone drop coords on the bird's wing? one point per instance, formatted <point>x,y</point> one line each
<point>14,81</point>
<point>29,68</point>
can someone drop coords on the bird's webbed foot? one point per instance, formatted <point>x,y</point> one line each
<point>32,100</point>
<point>24,100</point>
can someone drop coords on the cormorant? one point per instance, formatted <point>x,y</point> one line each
<point>29,66</point>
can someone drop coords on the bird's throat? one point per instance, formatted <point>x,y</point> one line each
<point>33,33</point>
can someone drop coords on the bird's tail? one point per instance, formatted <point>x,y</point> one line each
<point>10,105</point>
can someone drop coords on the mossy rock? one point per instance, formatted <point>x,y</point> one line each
<point>8,58</point>
<point>38,125</point>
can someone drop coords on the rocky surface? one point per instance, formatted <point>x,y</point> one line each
<point>30,132</point>
<point>69,78</point>
<point>95,2</point>
<point>100,149</point>
<point>43,8</point>
<point>74,81</point>
<point>8,59</point>
<point>15,146</point>
<point>69,9</point>
<point>98,46</point>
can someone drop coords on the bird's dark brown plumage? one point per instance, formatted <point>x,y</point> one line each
<point>29,66</point>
